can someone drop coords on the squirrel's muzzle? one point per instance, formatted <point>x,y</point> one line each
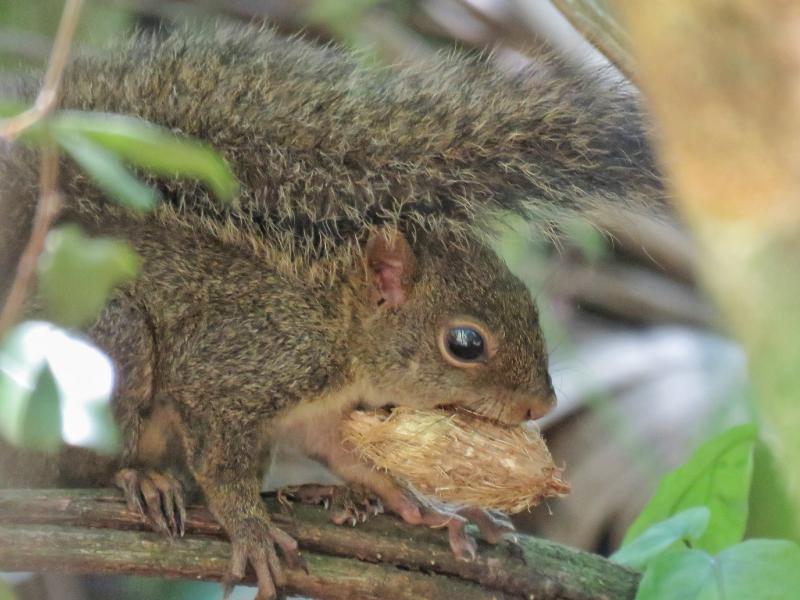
<point>541,405</point>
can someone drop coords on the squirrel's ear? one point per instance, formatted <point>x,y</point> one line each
<point>390,262</point>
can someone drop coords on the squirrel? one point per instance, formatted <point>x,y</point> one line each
<point>352,272</point>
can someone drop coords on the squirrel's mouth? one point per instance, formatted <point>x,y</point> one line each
<point>494,418</point>
<point>454,408</point>
<point>387,409</point>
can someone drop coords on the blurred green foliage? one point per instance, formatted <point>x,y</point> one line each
<point>764,310</point>
<point>77,274</point>
<point>29,396</point>
<point>109,173</point>
<point>135,588</point>
<point>717,476</point>
<point>689,524</point>
<point>31,24</point>
<point>6,593</point>
<point>587,239</point>
<point>340,16</point>
<point>348,22</point>
<point>99,142</point>
<point>688,537</point>
<point>104,137</point>
<point>34,397</point>
<point>771,512</point>
<point>755,569</point>
<point>39,423</point>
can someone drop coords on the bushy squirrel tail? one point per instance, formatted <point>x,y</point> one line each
<point>327,148</point>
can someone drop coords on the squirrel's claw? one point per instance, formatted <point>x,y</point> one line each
<point>255,541</point>
<point>462,543</point>
<point>310,493</point>
<point>157,497</point>
<point>348,504</point>
<point>265,563</point>
<point>493,525</point>
<point>289,548</point>
<point>126,480</point>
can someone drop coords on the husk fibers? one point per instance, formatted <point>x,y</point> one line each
<point>458,458</point>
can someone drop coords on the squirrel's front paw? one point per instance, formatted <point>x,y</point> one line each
<point>492,526</point>
<point>347,504</point>
<point>254,540</point>
<point>157,497</point>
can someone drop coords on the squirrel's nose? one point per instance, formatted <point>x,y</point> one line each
<point>541,406</point>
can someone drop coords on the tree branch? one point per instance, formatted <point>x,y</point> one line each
<point>92,531</point>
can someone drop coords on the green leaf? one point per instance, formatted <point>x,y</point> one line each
<point>717,476</point>
<point>587,238</point>
<point>762,569</point>
<point>678,575</point>
<point>40,425</point>
<point>76,273</point>
<point>54,383</point>
<point>109,173</point>
<point>30,401</point>
<point>690,523</point>
<point>150,147</point>
<point>772,513</point>
<point>104,435</point>
<point>18,371</point>
<point>330,12</point>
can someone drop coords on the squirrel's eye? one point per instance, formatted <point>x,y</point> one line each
<point>465,344</point>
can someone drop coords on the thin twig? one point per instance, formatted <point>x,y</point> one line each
<point>46,211</point>
<point>49,198</point>
<point>51,86</point>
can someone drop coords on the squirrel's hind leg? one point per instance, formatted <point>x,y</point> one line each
<point>125,333</point>
<point>228,469</point>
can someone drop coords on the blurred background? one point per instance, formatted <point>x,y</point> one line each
<point>642,370</point>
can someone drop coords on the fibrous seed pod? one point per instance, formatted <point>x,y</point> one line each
<point>457,457</point>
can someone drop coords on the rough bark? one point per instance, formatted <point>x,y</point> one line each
<point>92,531</point>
